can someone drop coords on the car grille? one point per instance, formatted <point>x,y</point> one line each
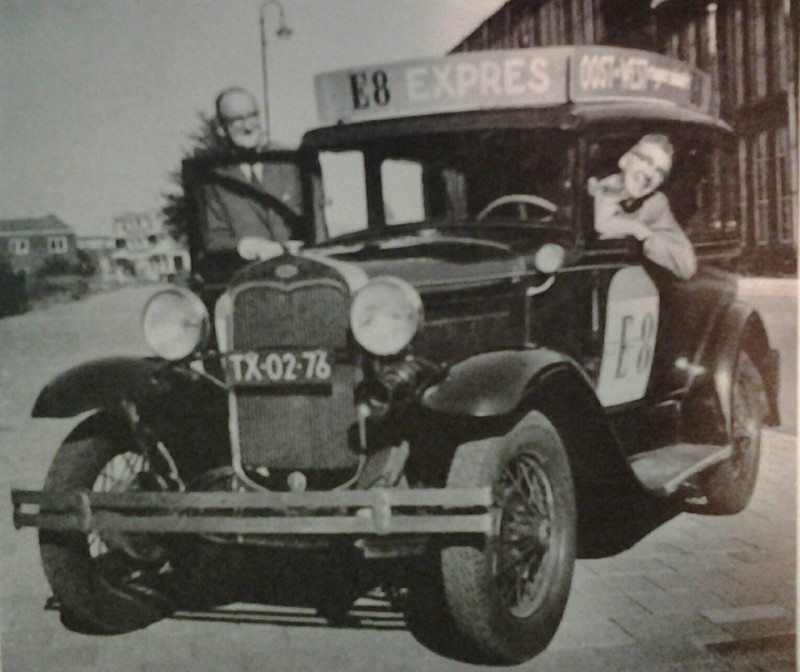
<point>295,428</point>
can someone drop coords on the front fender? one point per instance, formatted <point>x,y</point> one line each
<point>493,383</point>
<point>98,384</point>
<point>188,414</point>
<point>507,384</point>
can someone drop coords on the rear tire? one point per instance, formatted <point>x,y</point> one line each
<point>100,588</point>
<point>501,601</point>
<point>730,485</point>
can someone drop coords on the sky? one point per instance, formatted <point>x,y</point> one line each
<point>98,97</point>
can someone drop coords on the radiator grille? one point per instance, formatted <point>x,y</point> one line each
<point>295,429</point>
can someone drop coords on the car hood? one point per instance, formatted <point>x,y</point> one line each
<point>430,260</point>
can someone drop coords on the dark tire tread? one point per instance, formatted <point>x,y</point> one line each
<point>466,603</point>
<point>729,487</point>
<point>90,604</point>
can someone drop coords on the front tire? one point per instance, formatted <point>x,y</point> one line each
<point>101,589</point>
<point>505,597</point>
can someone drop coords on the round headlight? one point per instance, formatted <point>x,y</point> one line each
<point>549,258</point>
<point>175,323</point>
<point>385,315</point>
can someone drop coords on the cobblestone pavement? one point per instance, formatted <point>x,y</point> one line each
<point>699,593</point>
<point>695,592</point>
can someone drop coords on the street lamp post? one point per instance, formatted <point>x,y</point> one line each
<point>283,31</point>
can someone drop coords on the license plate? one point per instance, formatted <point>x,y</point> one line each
<point>279,367</point>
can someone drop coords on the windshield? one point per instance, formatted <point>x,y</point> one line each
<point>519,176</point>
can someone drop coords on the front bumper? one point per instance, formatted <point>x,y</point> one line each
<point>347,512</point>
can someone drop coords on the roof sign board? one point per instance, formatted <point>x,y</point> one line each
<point>599,73</point>
<point>513,78</point>
<point>478,80</point>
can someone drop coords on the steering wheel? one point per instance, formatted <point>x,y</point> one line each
<point>521,199</point>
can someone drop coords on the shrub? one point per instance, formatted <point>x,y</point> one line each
<point>85,266</point>
<point>54,266</point>
<point>13,290</point>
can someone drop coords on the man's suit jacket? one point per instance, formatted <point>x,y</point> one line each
<point>233,210</point>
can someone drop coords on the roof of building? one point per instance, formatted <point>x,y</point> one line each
<point>34,225</point>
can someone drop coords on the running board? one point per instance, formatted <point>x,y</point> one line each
<point>663,471</point>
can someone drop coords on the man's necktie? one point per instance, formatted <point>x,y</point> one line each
<point>251,174</point>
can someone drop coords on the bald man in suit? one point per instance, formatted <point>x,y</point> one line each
<point>247,198</point>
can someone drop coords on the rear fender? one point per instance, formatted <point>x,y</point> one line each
<point>707,408</point>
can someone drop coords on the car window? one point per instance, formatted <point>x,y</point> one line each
<point>698,186</point>
<point>603,160</point>
<point>521,175</point>
<point>343,176</point>
<point>403,196</point>
<point>491,176</point>
<point>697,189</point>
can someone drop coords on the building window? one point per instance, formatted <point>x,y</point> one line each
<point>561,9</point>
<point>783,184</point>
<point>19,246</point>
<point>781,47</point>
<point>738,55</point>
<point>690,43</point>
<point>672,46</point>
<point>522,26</point>
<point>761,187</point>
<point>57,244</point>
<point>730,177</point>
<point>744,183</point>
<point>550,20</point>
<point>543,25</point>
<point>704,38</point>
<point>588,22</point>
<point>758,52</point>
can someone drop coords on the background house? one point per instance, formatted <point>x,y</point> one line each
<point>750,47</point>
<point>98,249</point>
<point>143,249</point>
<point>28,245</point>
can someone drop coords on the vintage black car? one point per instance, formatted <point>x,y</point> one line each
<point>450,399</point>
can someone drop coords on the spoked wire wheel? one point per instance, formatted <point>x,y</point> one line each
<point>120,474</point>
<point>500,599</point>
<point>104,583</point>
<point>519,552</point>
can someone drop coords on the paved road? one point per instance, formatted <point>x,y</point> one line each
<point>698,593</point>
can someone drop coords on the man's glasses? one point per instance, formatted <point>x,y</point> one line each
<point>646,158</point>
<point>239,122</point>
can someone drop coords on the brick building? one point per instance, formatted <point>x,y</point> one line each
<point>750,47</point>
<point>28,244</point>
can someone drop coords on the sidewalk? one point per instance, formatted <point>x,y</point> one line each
<point>707,593</point>
<point>749,286</point>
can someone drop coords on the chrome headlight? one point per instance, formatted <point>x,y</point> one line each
<point>385,315</point>
<point>549,258</point>
<point>175,323</point>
